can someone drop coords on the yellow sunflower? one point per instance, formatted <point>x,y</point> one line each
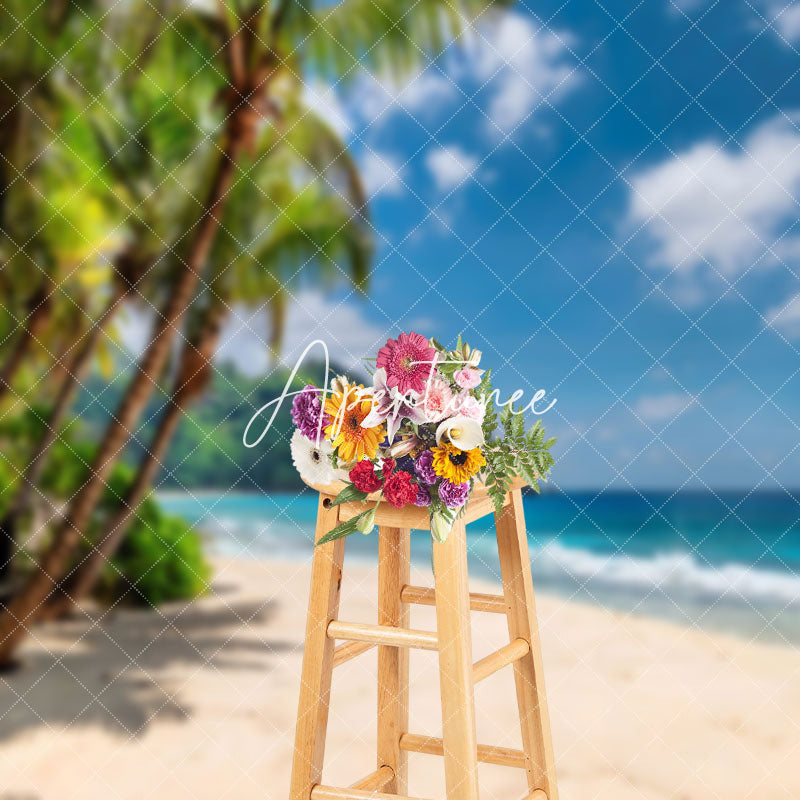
<point>457,466</point>
<point>347,409</point>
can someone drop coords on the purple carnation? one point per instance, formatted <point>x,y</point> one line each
<point>423,497</point>
<point>423,466</point>
<point>306,411</point>
<point>453,495</point>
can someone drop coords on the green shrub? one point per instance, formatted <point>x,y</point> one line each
<point>161,559</point>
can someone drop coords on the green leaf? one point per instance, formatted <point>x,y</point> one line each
<point>343,529</point>
<point>447,369</point>
<point>348,495</point>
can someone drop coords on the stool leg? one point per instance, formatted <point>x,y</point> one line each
<point>455,665</point>
<point>315,685</point>
<point>512,545</point>
<point>393,574</point>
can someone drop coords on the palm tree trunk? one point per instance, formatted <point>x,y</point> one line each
<point>21,611</point>
<point>35,322</point>
<point>73,371</point>
<point>192,378</point>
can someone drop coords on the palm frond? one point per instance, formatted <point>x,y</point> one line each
<point>379,35</point>
<point>325,152</point>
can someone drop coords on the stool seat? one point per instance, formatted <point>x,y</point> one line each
<point>394,637</point>
<point>479,505</point>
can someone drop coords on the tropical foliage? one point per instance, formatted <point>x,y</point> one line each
<point>158,155</point>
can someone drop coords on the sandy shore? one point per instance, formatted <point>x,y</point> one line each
<point>199,702</point>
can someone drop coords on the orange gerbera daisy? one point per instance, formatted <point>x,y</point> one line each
<point>347,410</point>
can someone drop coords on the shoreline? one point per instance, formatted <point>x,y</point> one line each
<point>200,700</point>
<point>686,566</point>
<point>728,617</point>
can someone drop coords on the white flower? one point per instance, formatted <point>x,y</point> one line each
<point>460,431</point>
<point>390,406</point>
<point>312,462</point>
<point>403,447</point>
<point>474,358</point>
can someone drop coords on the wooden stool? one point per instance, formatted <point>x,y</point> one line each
<point>453,642</point>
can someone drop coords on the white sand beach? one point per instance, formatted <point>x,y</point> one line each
<point>199,702</point>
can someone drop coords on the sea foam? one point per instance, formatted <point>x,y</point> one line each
<point>672,574</point>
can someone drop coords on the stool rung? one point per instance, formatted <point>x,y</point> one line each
<point>508,654</point>
<point>344,652</point>
<point>421,596</point>
<point>320,792</point>
<point>383,634</point>
<point>489,754</point>
<point>536,794</point>
<point>375,781</point>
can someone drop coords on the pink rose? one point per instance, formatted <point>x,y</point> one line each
<point>467,378</point>
<point>468,406</point>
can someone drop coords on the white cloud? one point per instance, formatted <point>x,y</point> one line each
<point>381,173</point>
<point>720,204</point>
<point>520,64</point>
<point>659,407</point>
<point>449,166</point>
<point>313,314</point>
<point>782,14</point>
<point>788,23</point>
<point>786,316</point>
<point>322,98</point>
<point>525,65</point>
<point>377,97</point>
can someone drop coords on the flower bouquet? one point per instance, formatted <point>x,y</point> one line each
<point>423,434</point>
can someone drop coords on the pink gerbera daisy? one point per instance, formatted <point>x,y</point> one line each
<point>408,361</point>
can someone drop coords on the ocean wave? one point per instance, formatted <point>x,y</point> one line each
<point>678,575</point>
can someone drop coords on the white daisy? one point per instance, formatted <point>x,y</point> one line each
<point>312,462</point>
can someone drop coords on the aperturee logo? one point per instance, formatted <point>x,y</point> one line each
<point>428,428</point>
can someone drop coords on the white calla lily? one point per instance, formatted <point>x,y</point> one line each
<point>463,432</point>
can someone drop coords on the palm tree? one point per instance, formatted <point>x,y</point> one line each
<point>193,375</point>
<point>260,42</point>
<point>73,368</point>
<point>299,223</point>
<point>156,195</point>
<point>244,105</point>
<point>35,40</point>
<point>38,306</point>
<point>159,208</point>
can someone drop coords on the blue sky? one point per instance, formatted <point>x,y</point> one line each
<point>602,198</point>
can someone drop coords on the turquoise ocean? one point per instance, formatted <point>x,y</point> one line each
<point>720,561</point>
